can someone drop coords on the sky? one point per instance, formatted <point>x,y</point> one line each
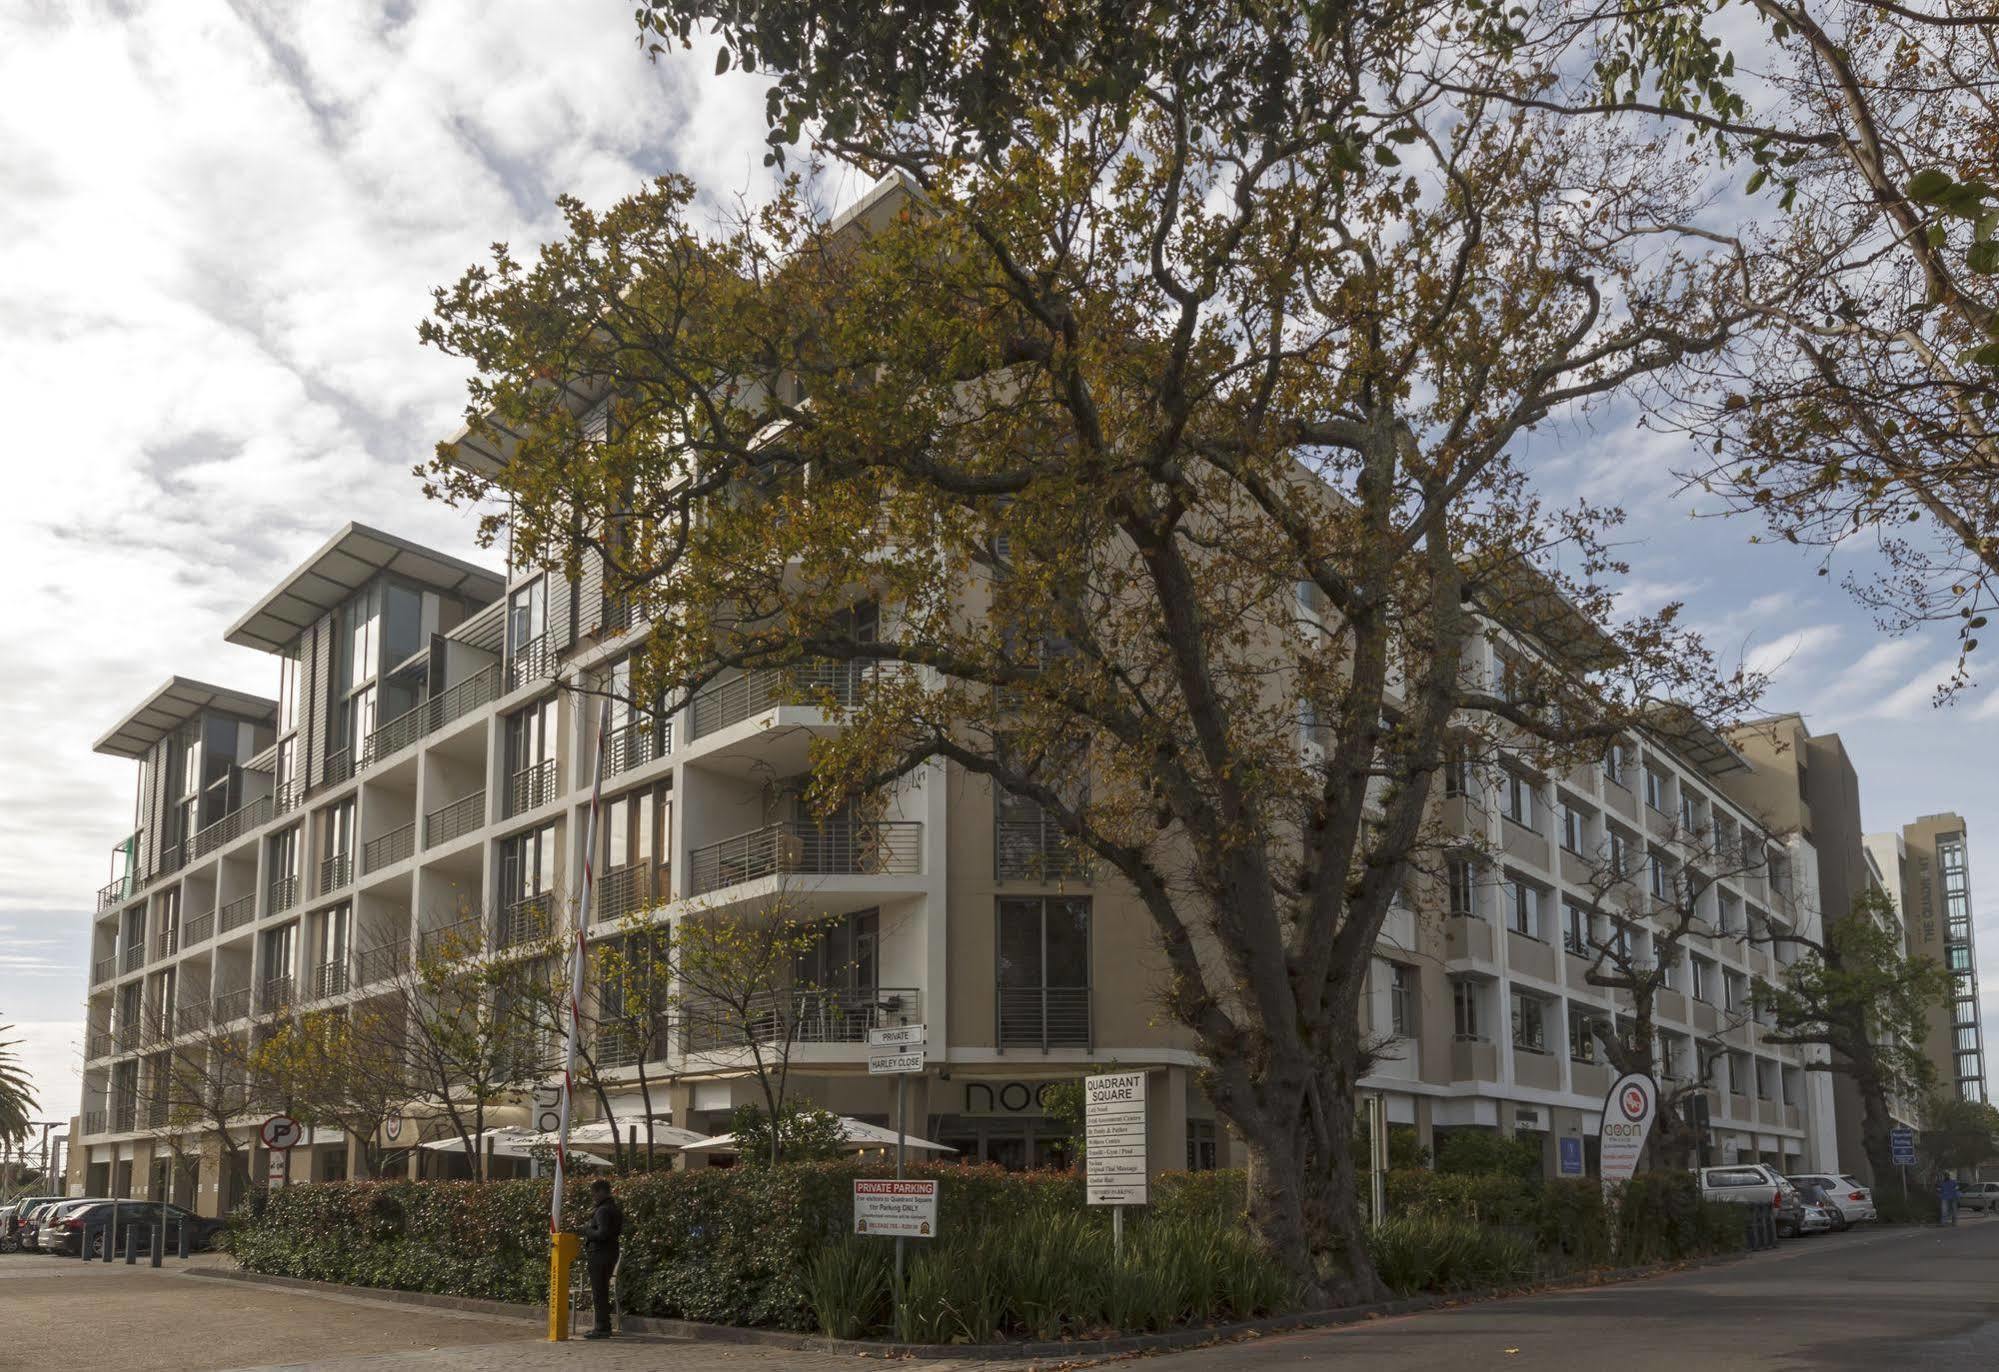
<point>219,227</point>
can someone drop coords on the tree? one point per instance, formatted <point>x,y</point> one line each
<point>209,1090</point>
<point>337,1068</point>
<point>802,1133</point>
<point>1856,991</point>
<point>1959,1134</point>
<point>1215,304</point>
<point>17,1095</point>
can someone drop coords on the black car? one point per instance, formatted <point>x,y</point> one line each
<point>85,1229</point>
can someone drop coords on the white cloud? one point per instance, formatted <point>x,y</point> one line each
<point>1791,652</point>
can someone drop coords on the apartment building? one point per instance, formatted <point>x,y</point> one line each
<point>1927,872</point>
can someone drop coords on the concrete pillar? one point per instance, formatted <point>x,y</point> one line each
<point>1166,1120</point>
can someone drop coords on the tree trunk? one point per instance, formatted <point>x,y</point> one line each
<point>1277,1190</point>
<point>1875,1124</point>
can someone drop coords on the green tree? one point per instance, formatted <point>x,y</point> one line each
<point>1169,410</point>
<point>1857,992</point>
<point>337,1068</point>
<point>1958,1134</point>
<point>803,1133</point>
<point>17,1096</point>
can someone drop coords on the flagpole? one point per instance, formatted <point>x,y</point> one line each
<point>563,1245</point>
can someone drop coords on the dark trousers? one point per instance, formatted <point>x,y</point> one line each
<point>602,1261</point>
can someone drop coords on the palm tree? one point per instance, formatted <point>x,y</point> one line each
<point>17,1097</point>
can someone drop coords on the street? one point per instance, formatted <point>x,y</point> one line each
<point>1925,1298</point>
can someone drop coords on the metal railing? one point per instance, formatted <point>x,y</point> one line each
<point>460,938</point>
<point>156,1114</point>
<point>97,1044</point>
<point>735,700</point>
<point>339,766</point>
<point>237,913</point>
<point>834,1016</point>
<point>166,943</point>
<point>627,1045</point>
<point>335,872</point>
<point>135,957</point>
<point>232,826</point>
<point>113,892</point>
<point>104,969</point>
<point>94,1121</point>
<point>629,889</point>
<point>172,858</point>
<point>1044,1017</point>
<point>389,849</point>
<point>532,786</point>
<point>833,848</point>
<point>191,1019</point>
<point>433,714</point>
<point>277,993</point>
<point>636,744</point>
<point>530,661</point>
<point>286,797</point>
<point>124,1116</point>
<point>329,979</point>
<point>1031,850</point>
<point>451,821</point>
<point>522,921</point>
<point>398,734</point>
<point>284,895</point>
<point>231,1005</point>
<point>199,929</point>
<point>381,962</point>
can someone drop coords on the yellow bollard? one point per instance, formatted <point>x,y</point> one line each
<point>561,1254</point>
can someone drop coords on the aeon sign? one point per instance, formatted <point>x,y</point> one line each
<point>1627,1122</point>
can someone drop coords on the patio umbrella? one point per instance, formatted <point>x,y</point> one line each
<point>509,1141</point>
<point>602,1133</point>
<point>854,1133</point>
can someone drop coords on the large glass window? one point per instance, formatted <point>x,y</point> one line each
<point>1529,1024</point>
<point>1044,970</point>
<point>845,957</point>
<point>527,615</point>
<point>1460,873</point>
<point>1401,999</point>
<point>1464,1009</point>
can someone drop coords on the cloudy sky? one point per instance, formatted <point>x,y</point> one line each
<point>218,227</point>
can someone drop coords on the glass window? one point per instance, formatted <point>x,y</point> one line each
<point>527,615</point>
<point>1464,1006</point>
<point>1401,999</point>
<point>1613,764</point>
<point>1519,799</point>
<point>1201,1145</point>
<point>1575,929</point>
<point>1582,1035</point>
<point>1575,826</point>
<point>1044,942</point>
<point>1529,1028</point>
<point>1461,886</point>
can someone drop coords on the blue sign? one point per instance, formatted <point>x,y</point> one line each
<point>1902,1143</point>
<point>1572,1157</point>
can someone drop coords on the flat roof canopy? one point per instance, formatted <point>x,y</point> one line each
<point>172,705</point>
<point>342,566</point>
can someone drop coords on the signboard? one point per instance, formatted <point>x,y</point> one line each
<point>392,1128</point>
<point>1627,1124</point>
<point>280,1132</point>
<point>1114,1130</point>
<point>548,1107</point>
<point>281,1171</point>
<point>896,1209</point>
<point>896,1050</point>
<point>1902,1143</point>
<point>1571,1163</point>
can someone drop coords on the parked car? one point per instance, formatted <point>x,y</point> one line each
<point>1855,1200</point>
<point>1753,1183</point>
<point>10,1219</point>
<point>1817,1198</point>
<point>1978,1195</point>
<point>34,1217</point>
<point>84,1229</point>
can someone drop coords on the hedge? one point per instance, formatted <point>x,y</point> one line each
<point>1661,1215</point>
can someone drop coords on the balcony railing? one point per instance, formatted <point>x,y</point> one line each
<point>627,1045</point>
<point>135,957</point>
<point>94,1121</point>
<point>156,1114</point>
<point>329,979</point>
<point>1031,850</point>
<point>124,1116</point>
<point>231,826</point>
<point>461,938</point>
<point>339,766</point>
<point>531,661</point>
<point>286,797</point>
<point>834,848</point>
<point>192,1019</point>
<point>335,872</point>
<point>389,849</point>
<point>98,1044</point>
<point>451,821</point>
<point>1044,1017</point>
<point>114,892</point>
<point>636,744</point>
<point>104,969</point>
<point>398,734</point>
<point>733,701</point>
<point>431,715</point>
<point>199,929</point>
<point>171,858</point>
<point>532,786</point>
<point>837,1016</point>
<point>381,963</point>
<point>628,889</point>
<point>237,913</point>
<point>277,993</point>
<point>522,921</point>
<point>230,1006</point>
<point>284,894</point>
<point>166,943</point>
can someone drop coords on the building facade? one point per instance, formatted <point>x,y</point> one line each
<point>1927,865</point>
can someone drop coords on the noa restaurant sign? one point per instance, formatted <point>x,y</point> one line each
<point>1628,1112</point>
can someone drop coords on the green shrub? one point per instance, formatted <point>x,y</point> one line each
<point>848,1285</point>
<point>1485,1152</point>
<point>1434,1253</point>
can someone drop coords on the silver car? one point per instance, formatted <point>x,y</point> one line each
<point>1855,1200</point>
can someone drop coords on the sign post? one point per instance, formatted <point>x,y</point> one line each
<point>281,1134</point>
<point>1902,1145</point>
<point>1114,1139</point>
<point>1628,1112</point>
<point>898,1051</point>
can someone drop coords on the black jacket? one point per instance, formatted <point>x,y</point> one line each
<point>606,1226</point>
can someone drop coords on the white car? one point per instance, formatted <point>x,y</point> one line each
<point>1978,1195</point>
<point>1855,1201</point>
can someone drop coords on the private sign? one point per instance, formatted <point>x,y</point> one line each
<point>1115,1133</point>
<point>897,1050</point>
<point>896,1209</point>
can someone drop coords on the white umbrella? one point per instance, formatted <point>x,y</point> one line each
<point>508,1141</point>
<point>854,1133</point>
<point>601,1132</point>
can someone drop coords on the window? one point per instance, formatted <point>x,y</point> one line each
<point>1401,1000</point>
<point>1457,769</point>
<point>1518,799</point>
<point>1734,991</point>
<point>1524,907</point>
<point>1529,1024</point>
<point>845,956</point>
<point>1617,849</point>
<point>1575,929</point>
<point>1201,1146</point>
<point>1703,979</point>
<point>1655,789</point>
<point>1044,971</point>
<point>1460,874</point>
<point>1613,764</point>
<point>531,750</point>
<point>1662,887</point>
<point>1672,1056</point>
<point>1669,973</point>
<point>527,615</point>
<point>527,865</point>
<point>1582,1035</point>
<point>1575,827</point>
<point>1464,1006</point>
<point>1689,818</point>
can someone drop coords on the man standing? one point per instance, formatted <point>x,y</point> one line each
<point>1947,1199</point>
<point>600,1251</point>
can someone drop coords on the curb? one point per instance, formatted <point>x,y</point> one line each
<point>1172,1340</point>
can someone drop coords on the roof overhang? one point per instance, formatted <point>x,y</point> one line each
<point>172,705</point>
<point>342,566</point>
<point>1694,740</point>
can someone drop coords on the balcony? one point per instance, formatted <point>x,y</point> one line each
<point>103,970</point>
<point>237,913</point>
<point>636,744</point>
<point>231,826</point>
<point>834,848</point>
<point>1033,850</point>
<point>166,943</point>
<point>277,993</point>
<point>124,1116</point>
<point>231,1006</point>
<point>284,894</point>
<point>381,963</point>
<point>455,820</point>
<point>531,787</point>
<point>1044,1017</point>
<point>115,892</point>
<point>339,766</point>
<point>389,849</point>
<point>628,890</point>
<point>433,714</point>
<point>134,958</point>
<point>328,979</point>
<point>522,921</point>
<point>335,872</point>
<point>834,1016</point>
<point>199,929</point>
<point>735,700</point>
<point>94,1121</point>
<point>192,1019</point>
<point>459,939</point>
<point>531,661</point>
<point>97,1044</point>
<point>627,1045</point>
<point>287,796</point>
